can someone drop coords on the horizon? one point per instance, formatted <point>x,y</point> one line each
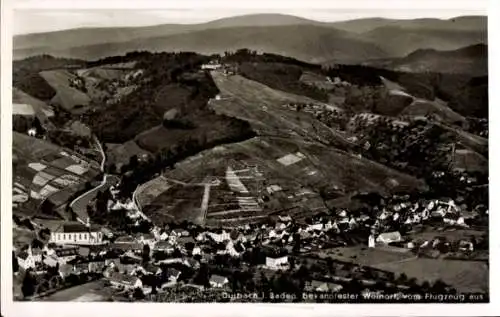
<point>28,22</point>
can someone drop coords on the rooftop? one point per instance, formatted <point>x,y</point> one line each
<point>123,279</point>
<point>76,227</point>
<point>218,279</point>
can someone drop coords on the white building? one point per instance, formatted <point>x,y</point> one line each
<point>211,66</point>
<point>389,237</point>
<point>317,226</point>
<point>277,263</point>
<point>77,233</point>
<point>219,237</point>
<point>217,281</point>
<point>371,241</point>
<point>28,259</point>
<point>196,250</point>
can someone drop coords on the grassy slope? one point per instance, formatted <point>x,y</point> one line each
<point>281,132</point>
<point>66,96</point>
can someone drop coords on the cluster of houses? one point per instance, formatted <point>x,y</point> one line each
<point>76,248</point>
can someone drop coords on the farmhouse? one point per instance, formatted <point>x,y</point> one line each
<point>217,281</point>
<point>77,233</point>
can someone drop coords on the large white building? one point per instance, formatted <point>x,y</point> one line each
<point>77,233</point>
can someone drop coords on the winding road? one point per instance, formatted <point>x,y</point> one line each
<point>79,204</point>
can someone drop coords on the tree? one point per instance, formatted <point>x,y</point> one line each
<point>296,245</point>
<point>29,283</point>
<point>138,293</point>
<point>202,277</point>
<point>402,278</point>
<point>145,253</point>
<point>133,162</point>
<point>15,263</point>
<point>439,287</point>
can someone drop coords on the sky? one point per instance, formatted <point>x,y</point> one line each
<point>29,20</point>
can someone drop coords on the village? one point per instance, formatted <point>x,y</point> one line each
<point>188,262</point>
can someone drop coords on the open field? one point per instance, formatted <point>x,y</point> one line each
<point>89,292</point>
<point>422,107</point>
<point>179,202</point>
<point>318,166</point>
<point>363,255</point>
<point>67,97</point>
<point>465,276</point>
<point>266,110</point>
<point>49,171</point>
<point>450,235</point>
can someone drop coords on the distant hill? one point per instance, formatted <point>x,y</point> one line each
<point>463,23</point>
<point>467,60</point>
<point>91,36</point>
<point>305,42</point>
<point>400,41</point>
<point>347,41</point>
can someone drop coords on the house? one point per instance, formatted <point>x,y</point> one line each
<point>320,286</point>
<point>273,188</point>
<point>147,269</point>
<point>231,250</point>
<point>130,256</point>
<point>218,281</point>
<point>454,219</point>
<point>317,226</point>
<point>107,232</point>
<point>173,274</point>
<point>66,254</point>
<point>164,246</point>
<point>133,246</point>
<point>389,237</point>
<point>178,232</point>
<point>183,240</point>
<point>147,238</point>
<point>163,236</point>
<point>125,239</point>
<point>285,218</point>
<point>466,245</point>
<point>211,66</point>
<point>51,260</point>
<point>277,263</point>
<point>123,281</point>
<point>28,259</point>
<point>219,236</point>
<point>196,250</point>
<point>77,233</point>
<point>171,260</point>
<point>191,263</point>
<point>117,266</point>
<point>371,241</point>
